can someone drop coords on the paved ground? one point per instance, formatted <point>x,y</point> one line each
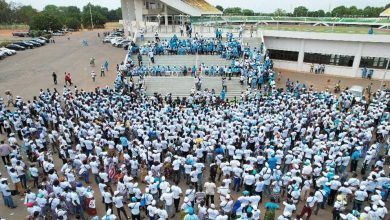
<point>28,71</point>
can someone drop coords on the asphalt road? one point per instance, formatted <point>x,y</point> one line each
<point>28,71</point>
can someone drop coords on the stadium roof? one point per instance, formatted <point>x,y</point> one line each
<point>195,8</point>
<point>203,6</point>
<point>385,13</point>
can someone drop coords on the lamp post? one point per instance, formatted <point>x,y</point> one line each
<point>90,13</point>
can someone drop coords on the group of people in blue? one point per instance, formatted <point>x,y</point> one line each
<point>229,49</point>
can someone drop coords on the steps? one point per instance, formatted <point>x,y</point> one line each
<point>181,86</point>
<point>183,60</point>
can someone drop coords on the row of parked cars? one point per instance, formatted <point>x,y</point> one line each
<point>116,40</point>
<point>11,49</point>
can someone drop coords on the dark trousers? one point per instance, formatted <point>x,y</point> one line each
<point>4,158</point>
<point>354,164</point>
<point>211,198</point>
<point>122,209</point>
<point>138,217</point>
<point>176,202</point>
<point>108,206</point>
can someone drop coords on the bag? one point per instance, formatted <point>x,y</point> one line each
<point>143,202</point>
<point>92,204</point>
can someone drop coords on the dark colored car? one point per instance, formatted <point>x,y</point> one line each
<point>44,38</point>
<point>15,47</point>
<point>25,45</point>
<point>36,44</point>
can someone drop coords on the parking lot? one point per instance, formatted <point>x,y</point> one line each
<point>30,70</point>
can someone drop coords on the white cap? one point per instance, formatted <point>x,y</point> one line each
<point>116,193</point>
<point>212,206</point>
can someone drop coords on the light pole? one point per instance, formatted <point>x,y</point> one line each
<point>90,13</point>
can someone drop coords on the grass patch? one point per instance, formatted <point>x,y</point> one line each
<point>113,25</point>
<point>14,27</point>
<point>5,43</point>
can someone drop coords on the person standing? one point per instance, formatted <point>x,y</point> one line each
<point>106,65</point>
<point>54,75</point>
<point>310,203</point>
<point>151,56</point>
<point>6,192</point>
<point>135,209</point>
<point>93,75</point>
<point>210,191</point>
<point>118,201</point>
<point>102,72</point>
<point>5,150</point>
<point>139,56</point>
<point>167,198</point>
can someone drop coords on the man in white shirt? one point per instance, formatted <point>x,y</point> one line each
<point>118,201</point>
<point>177,192</point>
<point>167,198</point>
<point>309,205</point>
<point>210,188</point>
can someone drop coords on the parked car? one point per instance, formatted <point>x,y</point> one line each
<point>116,40</point>
<point>8,51</point>
<point>40,41</point>
<point>60,33</point>
<point>20,34</point>
<point>44,38</point>
<point>122,43</point>
<point>36,44</point>
<point>14,47</point>
<point>107,39</point>
<point>3,55</point>
<point>25,45</point>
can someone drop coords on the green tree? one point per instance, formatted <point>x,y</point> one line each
<point>24,14</point>
<point>99,15</point>
<point>45,21</point>
<point>340,11</point>
<point>301,11</point>
<point>219,8</point>
<point>248,12</point>
<point>5,12</point>
<point>280,12</point>
<point>233,11</point>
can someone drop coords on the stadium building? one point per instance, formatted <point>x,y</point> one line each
<point>136,13</point>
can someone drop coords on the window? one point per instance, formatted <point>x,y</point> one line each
<point>374,62</point>
<point>283,55</point>
<point>329,59</point>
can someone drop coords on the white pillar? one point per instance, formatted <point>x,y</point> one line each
<point>301,55</point>
<point>356,60</point>
<point>166,15</point>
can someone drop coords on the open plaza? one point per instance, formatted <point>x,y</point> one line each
<point>189,114</point>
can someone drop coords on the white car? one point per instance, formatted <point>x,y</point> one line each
<point>3,55</point>
<point>9,52</point>
<point>116,40</point>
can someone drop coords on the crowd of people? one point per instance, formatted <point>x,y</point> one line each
<point>230,49</point>
<point>199,157</point>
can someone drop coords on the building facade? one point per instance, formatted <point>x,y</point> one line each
<point>136,13</point>
<point>342,54</point>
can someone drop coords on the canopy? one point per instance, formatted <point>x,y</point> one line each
<point>385,13</point>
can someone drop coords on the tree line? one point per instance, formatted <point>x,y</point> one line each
<point>302,11</point>
<point>54,17</point>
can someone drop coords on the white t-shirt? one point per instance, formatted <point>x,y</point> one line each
<point>134,207</point>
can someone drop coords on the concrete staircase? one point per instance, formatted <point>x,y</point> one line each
<point>181,86</point>
<point>183,60</point>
